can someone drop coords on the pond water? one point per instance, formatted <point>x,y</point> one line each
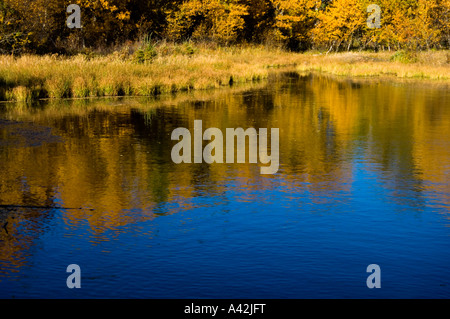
<point>363,178</point>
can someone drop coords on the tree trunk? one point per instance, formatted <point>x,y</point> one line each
<point>350,42</point>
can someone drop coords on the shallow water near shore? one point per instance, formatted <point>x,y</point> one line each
<point>363,179</point>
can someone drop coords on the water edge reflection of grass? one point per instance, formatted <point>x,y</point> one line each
<point>31,77</point>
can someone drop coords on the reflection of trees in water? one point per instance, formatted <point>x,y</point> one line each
<point>19,228</point>
<point>115,157</point>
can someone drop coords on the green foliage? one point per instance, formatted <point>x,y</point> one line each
<point>404,56</point>
<point>188,48</point>
<point>146,51</point>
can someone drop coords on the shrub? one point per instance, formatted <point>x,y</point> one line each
<point>146,51</point>
<point>404,56</point>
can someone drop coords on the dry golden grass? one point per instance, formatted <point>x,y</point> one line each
<point>432,65</point>
<point>177,69</point>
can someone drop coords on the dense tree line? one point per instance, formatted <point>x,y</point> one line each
<point>40,25</point>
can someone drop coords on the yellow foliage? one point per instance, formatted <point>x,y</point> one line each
<point>216,19</point>
<point>410,24</point>
<point>339,23</point>
<point>294,18</point>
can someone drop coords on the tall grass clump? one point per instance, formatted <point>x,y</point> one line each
<point>80,87</point>
<point>19,94</point>
<point>110,86</point>
<point>147,87</point>
<point>58,86</point>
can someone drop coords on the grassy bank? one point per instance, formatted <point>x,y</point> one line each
<point>430,65</point>
<point>174,68</point>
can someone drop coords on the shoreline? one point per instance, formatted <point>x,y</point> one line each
<point>30,77</point>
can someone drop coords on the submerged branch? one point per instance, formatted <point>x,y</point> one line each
<point>40,207</point>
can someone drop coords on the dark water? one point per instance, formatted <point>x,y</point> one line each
<point>363,179</point>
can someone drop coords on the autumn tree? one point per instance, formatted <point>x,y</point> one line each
<point>104,22</point>
<point>339,24</point>
<point>443,23</point>
<point>294,20</point>
<point>13,36</point>
<point>408,24</point>
<point>213,19</point>
<point>432,23</point>
<point>40,20</point>
<point>150,16</point>
<point>259,21</point>
<point>40,25</point>
<point>399,23</point>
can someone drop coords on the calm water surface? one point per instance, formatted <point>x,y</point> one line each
<point>363,179</point>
